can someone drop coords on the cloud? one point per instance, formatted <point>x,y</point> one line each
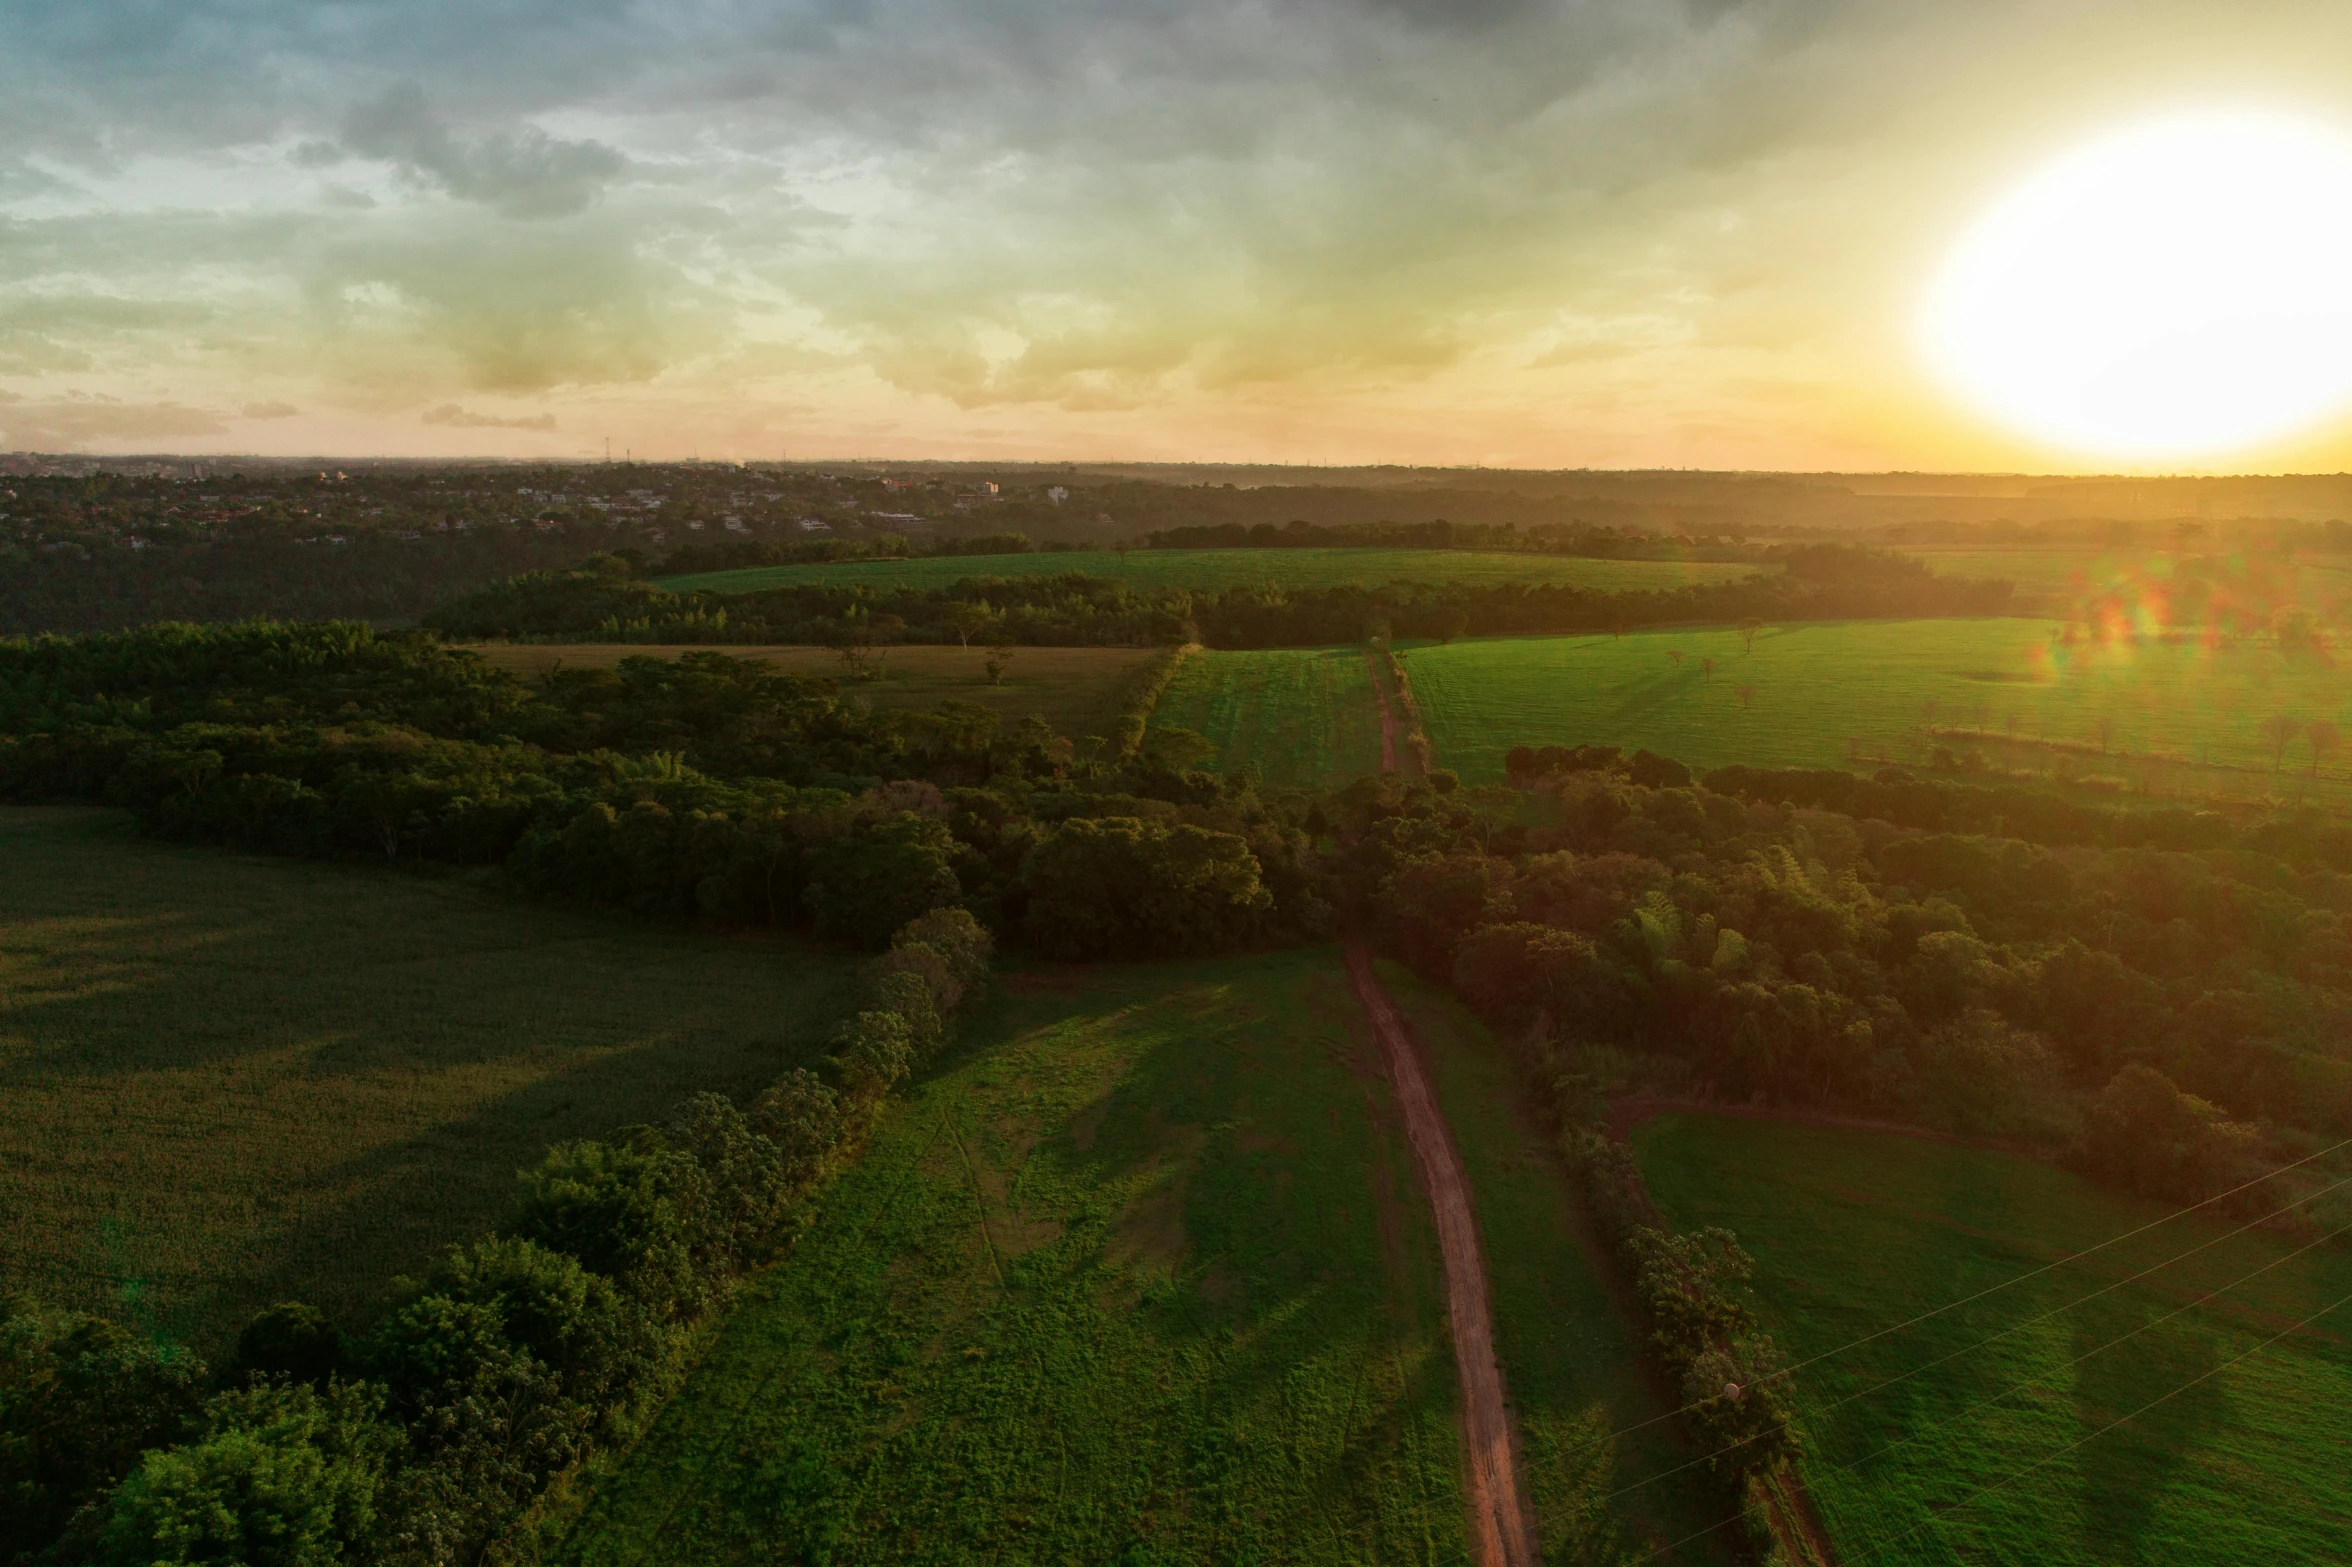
<point>457,418</point>
<point>270,411</point>
<point>522,173</point>
<point>66,424</point>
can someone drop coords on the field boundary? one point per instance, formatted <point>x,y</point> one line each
<point>1389,671</point>
<point>1142,698</point>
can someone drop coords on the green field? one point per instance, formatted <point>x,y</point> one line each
<point>227,1080</point>
<point>1825,692</point>
<point>1077,689</point>
<point>1143,1274</point>
<point>2076,569</point>
<point>1569,1359</point>
<point>1219,569</point>
<point>1304,717</point>
<point>1855,1231</point>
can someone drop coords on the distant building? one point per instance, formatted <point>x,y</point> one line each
<point>1057,495</point>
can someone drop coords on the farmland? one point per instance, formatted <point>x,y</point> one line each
<point>1568,1357</point>
<point>1854,1231</point>
<point>1142,1274</point>
<point>1303,718</point>
<point>1075,688</point>
<point>1214,570</point>
<point>2061,572</point>
<point>231,1080</point>
<point>1821,694</point>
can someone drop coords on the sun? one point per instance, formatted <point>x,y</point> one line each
<point>2178,289</point>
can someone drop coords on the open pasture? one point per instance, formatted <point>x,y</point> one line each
<point>1215,570</point>
<point>1076,688</point>
<point>1304,717</point>
<point>1568,1354</point>
<point>1142,1274</point>
<point>1853,1232</point>
<point>1823,693</point>
<point>228,1080</point>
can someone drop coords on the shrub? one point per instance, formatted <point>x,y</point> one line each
<point>289,1341</point>
<point>623,1212</point>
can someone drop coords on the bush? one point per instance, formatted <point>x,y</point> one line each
<point>288,1342</point>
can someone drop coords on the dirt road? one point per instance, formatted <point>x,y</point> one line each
<point>1388,718</point>
<point>1499,1536</point>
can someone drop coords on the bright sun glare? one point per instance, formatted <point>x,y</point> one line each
<point>2182,288</point>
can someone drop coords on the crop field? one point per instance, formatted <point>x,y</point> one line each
<point>1567,1353</point>
<point>2069,572</point>
<point>1975,1457</point>
<point>1304,717</point>
<point>228,1080</point>
<point>1220,569</point>
<point>1823,693</point>
<point>1075,688</point>
<point>1142,1274</point>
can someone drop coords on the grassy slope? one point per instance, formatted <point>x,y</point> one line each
<point>1141,1275</point>
<point>1303,717</point>
<point>1216,569</point>
<point>1568,1357</point>
<point>1855,1231</point>
<point>2072,571</point>
<point>1819,684</point>
<point>226,1080</point>
<point>1076,688</point>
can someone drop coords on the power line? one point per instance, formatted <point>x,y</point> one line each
<point>2202,1376</point>
<point>1928,1316</point>
<point>1969,1349</point>
<point>2013,1387</point>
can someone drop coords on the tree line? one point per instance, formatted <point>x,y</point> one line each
<point>606,600</point>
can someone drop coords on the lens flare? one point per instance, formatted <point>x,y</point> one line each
<point>2182,288</point>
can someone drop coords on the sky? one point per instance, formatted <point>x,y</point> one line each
<point>1538,233</point>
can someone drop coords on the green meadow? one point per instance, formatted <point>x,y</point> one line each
<point>1215,570</point>
<point>1820,694</point>
<point>228,1080</point>
<point>1142,1274</point>
<point>2000,1452</point>
<point>1303,717</point>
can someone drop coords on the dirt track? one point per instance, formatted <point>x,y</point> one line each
<point>1499,1536</point>
<point>1388,718</point>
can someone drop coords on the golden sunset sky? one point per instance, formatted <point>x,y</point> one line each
<point>1616,233</point>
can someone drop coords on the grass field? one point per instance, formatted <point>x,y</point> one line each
<point>1854,1231</point>
<point>1817,687</point>
<point>2072,571</point>
<point>1568,1357</point>
<point>227,1080</point>
<point>1303,717</point>
<point>1218,569</point>
<point>1076,688</point>
<point>1141,1275</point>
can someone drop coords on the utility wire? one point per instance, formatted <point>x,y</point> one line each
<point>2203,1376</point>
<point>1928,1316</point>
<point>2013,1387</point>
<point>1968,1349</point>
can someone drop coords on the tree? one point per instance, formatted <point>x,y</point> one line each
<point>998,660</point>
<point>623,1210</point>
<point>1674,656</point>
<point>2324,738</point>
<point>1120,887</point>
<point>1747,629</point>
<point>1450,623</point>
<point>868,883</point>
<point>284,1476</point>
<point>289,1341</point>
<point>2280,730</point>
<point>1746,695</point>
<point>966,616</point>
<point>80,1399</point>
<point>1706,666</point>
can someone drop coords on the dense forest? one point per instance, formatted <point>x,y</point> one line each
<point>606,600</point>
